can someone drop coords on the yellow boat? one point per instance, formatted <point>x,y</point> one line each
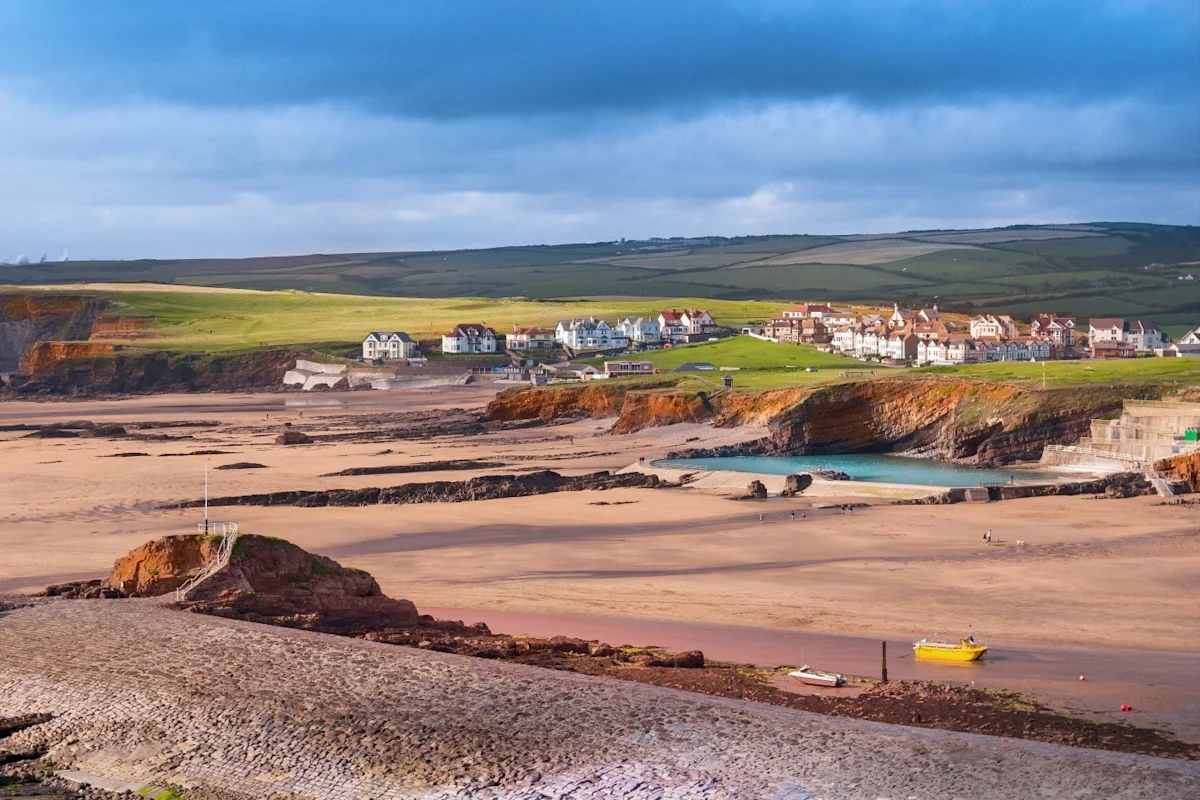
<point>965,650</point>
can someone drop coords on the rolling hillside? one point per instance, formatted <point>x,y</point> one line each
<point>1093,269</point>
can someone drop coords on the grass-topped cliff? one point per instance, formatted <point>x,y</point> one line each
<point>965,419</point>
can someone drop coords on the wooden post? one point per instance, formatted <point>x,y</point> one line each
<point>885,662</point>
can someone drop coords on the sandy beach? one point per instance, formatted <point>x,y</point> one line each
<point>1120,573</point>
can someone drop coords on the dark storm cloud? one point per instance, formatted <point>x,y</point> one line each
<point>133,128</point>
<point>456,58</point>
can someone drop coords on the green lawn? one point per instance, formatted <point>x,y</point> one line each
<point>746,352</point>
<point>228,320</point>
<point>1184,371</point>
<point>760,365</point>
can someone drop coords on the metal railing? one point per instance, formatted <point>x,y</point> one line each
<point>228,532</point>
<point>1174,405</point>
<point>1091,451</point>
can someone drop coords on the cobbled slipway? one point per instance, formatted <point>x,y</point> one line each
<point>141,692</point>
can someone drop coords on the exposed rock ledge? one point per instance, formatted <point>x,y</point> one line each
<point>486,487</point>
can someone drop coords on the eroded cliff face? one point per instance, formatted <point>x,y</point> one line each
<point>29,318</point>
<point>989,423</point>
<point>42,357</point>
<point>92,368</point>
<point>966,420</point>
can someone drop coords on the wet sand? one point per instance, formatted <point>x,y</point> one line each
<point>1161,687</point>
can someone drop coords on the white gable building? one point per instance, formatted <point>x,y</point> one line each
<point>380,345</point>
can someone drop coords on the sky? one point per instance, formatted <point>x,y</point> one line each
<point>144,129</point>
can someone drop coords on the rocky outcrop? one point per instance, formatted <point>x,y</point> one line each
<point>274,581</point>
<point>1124,484</point>
<point>486,487</point>
<point>293,436</point>
<point>795,484</point>
<point>421,466</point>
<point>161,566</point>
<point>1185,469</point>
<point>756,490</point>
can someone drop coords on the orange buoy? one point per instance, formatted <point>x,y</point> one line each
<point>1126,707</point>
<point>1082,678</point>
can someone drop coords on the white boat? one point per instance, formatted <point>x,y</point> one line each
<point>816,677</point>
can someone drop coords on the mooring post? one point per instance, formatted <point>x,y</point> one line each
<point>885,662</point>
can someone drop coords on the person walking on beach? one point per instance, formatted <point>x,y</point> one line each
<point>987,537</point>
<point>793,516</point>
<point>760,518</point>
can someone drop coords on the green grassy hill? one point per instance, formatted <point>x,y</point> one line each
<point>1094,269</point>
<point>183,319</point>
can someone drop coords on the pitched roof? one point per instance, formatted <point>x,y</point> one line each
<point>470,329</point>
<point>381,336</point>
<point>671,316</point>
<point>1107,322</point>
<point>531,330</point>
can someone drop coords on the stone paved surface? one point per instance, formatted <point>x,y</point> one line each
<point>143,693</point>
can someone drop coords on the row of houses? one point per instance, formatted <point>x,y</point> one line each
<point>674,327</point>
<point>922,335</point>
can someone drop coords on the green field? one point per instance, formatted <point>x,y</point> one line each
<point>1098,269</point>
<point>228,320</point>
<point>1136,371</point>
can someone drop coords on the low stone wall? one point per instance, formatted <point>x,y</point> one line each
<point>145,694</point>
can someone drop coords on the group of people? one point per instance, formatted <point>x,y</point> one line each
<point>804,515</point>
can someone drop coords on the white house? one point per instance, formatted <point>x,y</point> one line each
<point>1146,336</point>
<point>698,321</point>
<point>530,339</point>
<point>843,338</point>
<point>681,326</point>
<point>381,345</point>
<point>900,317</point>
<point>1141,337</point>
<point>931,351</point>
<point>469,337</point>
<point>644,330</point>
<point>1188,345</point>
<point>989,325</point>
<point>589,334</point>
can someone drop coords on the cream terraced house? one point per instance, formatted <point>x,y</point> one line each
<point>530,339</point>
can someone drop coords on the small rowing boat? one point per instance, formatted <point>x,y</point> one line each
<point>965,650</point>
<point>817,677</point>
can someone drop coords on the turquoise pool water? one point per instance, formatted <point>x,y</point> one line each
<point>869,468</point>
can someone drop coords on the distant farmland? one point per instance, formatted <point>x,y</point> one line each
<point>1096,269</point>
